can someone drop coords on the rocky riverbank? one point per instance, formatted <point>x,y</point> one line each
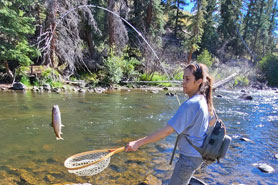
<point>246,78</point>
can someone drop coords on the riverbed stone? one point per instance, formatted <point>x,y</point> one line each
<point>49,178</point>
<point>47,147</point>
<point>35,89</point>
<point>161,147</point>
<point>265,168</point>
<point>46,87</point>
<point>151,180</point>
<point>246,97</point>
<point>245,139</point>
<point>170,94</point>
<point>7,178</point>
<point>82,90</point>
<point>56,90</point>
<point>27,177</point>
<point>99,90</point>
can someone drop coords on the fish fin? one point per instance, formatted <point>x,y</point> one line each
<point>62,125</point>
<point>59,138</point>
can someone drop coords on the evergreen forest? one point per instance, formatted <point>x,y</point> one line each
<point>113,41</point>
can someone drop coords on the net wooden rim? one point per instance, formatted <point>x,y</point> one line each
<point>110,153</point>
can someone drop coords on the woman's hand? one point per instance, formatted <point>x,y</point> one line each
<point>132,146</point>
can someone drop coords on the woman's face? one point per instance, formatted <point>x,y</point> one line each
<point>190,85</point>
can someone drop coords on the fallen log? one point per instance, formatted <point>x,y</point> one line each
<point>152,82</point>
<point>215,85</point>
<point>222,82</point>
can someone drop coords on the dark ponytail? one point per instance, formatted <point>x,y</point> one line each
<point>208,93</point>
<point>200,71</point>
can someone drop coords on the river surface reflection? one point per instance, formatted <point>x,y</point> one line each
<point>30,154</point>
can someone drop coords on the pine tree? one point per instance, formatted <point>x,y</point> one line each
<point>230,18</point>
<point>196,28</point>
<point>15,27</point>
<point>272,40</point>
<point>147,17</point>
<point>176,17</point>
<point>257,25</point>
<point>210,37</point>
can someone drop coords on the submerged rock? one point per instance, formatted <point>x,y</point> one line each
<point>246,97</point>
<point>170,94</point>
<point>264,167</point>
<point>151,180</point>
<point>195,181</point>
<point>161,147</point>
<point>245,139</point>
<point>118,169</point>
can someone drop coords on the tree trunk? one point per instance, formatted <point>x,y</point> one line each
<point>190,55</point>
<point>53,29</point>
<point>8,71</point>
<point>51,25</point>
<point>177,18</point>
<point>117,32</point>
<point>258,27</point>
<point>221,52</point>
<point>149,15</point>
<point>90,41</point>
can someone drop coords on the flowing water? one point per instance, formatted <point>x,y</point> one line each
<point>30,154</point>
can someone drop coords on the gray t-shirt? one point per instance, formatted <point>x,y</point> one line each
<point>191,119</point>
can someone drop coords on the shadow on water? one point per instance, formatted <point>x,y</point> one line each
<point>30,153</point>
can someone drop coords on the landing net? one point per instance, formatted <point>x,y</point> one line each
<point>84,159</point>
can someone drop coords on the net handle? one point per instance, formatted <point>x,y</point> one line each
<point>111,152</point>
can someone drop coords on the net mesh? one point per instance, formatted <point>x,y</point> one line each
<point>86,159</point>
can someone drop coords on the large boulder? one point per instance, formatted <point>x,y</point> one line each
<point>18,86</point>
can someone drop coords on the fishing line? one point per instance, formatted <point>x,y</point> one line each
<point>139,33</point>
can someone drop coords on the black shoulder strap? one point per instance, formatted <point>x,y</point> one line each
<point>194,146</point>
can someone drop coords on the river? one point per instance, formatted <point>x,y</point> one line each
<point>30,153</point>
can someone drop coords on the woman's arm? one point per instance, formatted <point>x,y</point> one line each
<point>158,135</point>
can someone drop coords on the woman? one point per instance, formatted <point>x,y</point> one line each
<point>191,119</point>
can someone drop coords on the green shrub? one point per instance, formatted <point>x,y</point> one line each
<point>241,81</point>
<point>113,69</point>
<point>25,80</point>
<point>54,84</point>
<point>205,58</point>
<point>117,68</point>
<point>89,77</point>
<point>178,74</point>
<point>269,67</point>
<point>50,76</point>
<point>156,77</point>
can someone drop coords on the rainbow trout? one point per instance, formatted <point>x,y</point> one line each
<point>56,122</point>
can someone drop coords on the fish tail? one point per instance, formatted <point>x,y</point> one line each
<point>59,138</point>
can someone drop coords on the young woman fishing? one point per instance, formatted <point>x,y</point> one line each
<point>191,119</point>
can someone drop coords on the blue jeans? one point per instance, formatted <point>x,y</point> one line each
<point>184,169</point>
